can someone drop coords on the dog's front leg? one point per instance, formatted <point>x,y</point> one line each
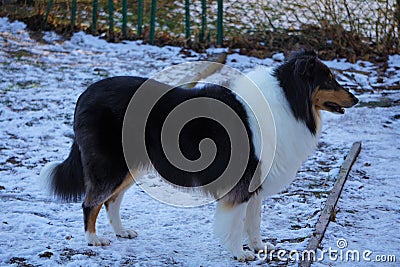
<point>252,225</point>
<point>229,226</point>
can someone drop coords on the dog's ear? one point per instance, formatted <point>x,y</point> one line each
<point>305,66</point>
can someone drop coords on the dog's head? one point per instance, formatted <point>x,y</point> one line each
<point>327,93</point>
<point>310,86</point>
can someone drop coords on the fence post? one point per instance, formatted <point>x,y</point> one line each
<point>187,19</point>
<point>140,18</point>
<point>94,16</point>
<point>220,23</point>
<point>73,14</point>
<point>47,14</point>
<point>111,19</point>
<point>203,20</point>
<point>124,18</point>
<point>153,20</point>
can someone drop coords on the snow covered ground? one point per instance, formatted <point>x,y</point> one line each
<point>41,79</point>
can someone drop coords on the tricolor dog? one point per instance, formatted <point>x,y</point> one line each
<point>96,169</point>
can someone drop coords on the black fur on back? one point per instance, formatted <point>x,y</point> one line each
<point>67,178</point>
<point>298,77</point>
<point>98,122</point>
<point>195,131</point>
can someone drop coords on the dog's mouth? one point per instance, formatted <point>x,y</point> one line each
<point>333,107</point>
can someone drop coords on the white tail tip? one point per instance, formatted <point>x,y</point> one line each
<point>46,176</point>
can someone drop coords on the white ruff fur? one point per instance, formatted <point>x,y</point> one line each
<point>294,140</point>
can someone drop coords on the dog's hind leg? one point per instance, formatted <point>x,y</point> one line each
<point>229,227</point>
<point>252,225</point>
<point>113,205</point>
<point>90,214</point>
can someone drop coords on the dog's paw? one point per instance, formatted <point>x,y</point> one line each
<point>269,246</point>
<point>94,240</point>
<point>127,233</point>
<point>245,256</point>
<point>257,246</point>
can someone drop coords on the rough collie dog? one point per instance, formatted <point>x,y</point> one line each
<point>96,168</point>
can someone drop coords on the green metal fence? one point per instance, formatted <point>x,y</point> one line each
<point>139,9</point>
<point>369,28</point>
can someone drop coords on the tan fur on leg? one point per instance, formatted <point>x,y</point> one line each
<point>90,216</point>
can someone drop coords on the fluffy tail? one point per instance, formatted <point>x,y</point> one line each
<point>65,180</point>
